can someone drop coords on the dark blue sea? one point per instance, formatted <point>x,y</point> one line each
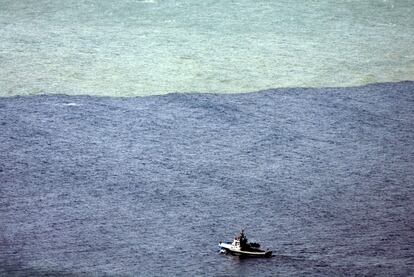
<point>148,186</point>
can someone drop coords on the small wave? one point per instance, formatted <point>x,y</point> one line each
<point>149,1</point>
<point>71,104</point>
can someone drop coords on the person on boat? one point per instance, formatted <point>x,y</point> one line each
<point>239,237</point>
<point>243,240</point>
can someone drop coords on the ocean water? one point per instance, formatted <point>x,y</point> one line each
<point>136,135</point>
<point>148,186</point>
<point>135,48</point>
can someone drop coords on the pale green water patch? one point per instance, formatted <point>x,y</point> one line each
<point>154,47</point>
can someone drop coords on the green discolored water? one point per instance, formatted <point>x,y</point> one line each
<point>125,48</point>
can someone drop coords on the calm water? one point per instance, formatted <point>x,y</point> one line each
<point>134,47</point>
<point>149,186</point>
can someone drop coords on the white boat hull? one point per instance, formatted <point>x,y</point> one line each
<point>231,249</point>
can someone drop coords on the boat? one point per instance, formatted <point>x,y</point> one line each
<point>241,247</point>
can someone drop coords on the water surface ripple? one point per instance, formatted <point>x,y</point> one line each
<point>148,186</point>
<point>135,48</point>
